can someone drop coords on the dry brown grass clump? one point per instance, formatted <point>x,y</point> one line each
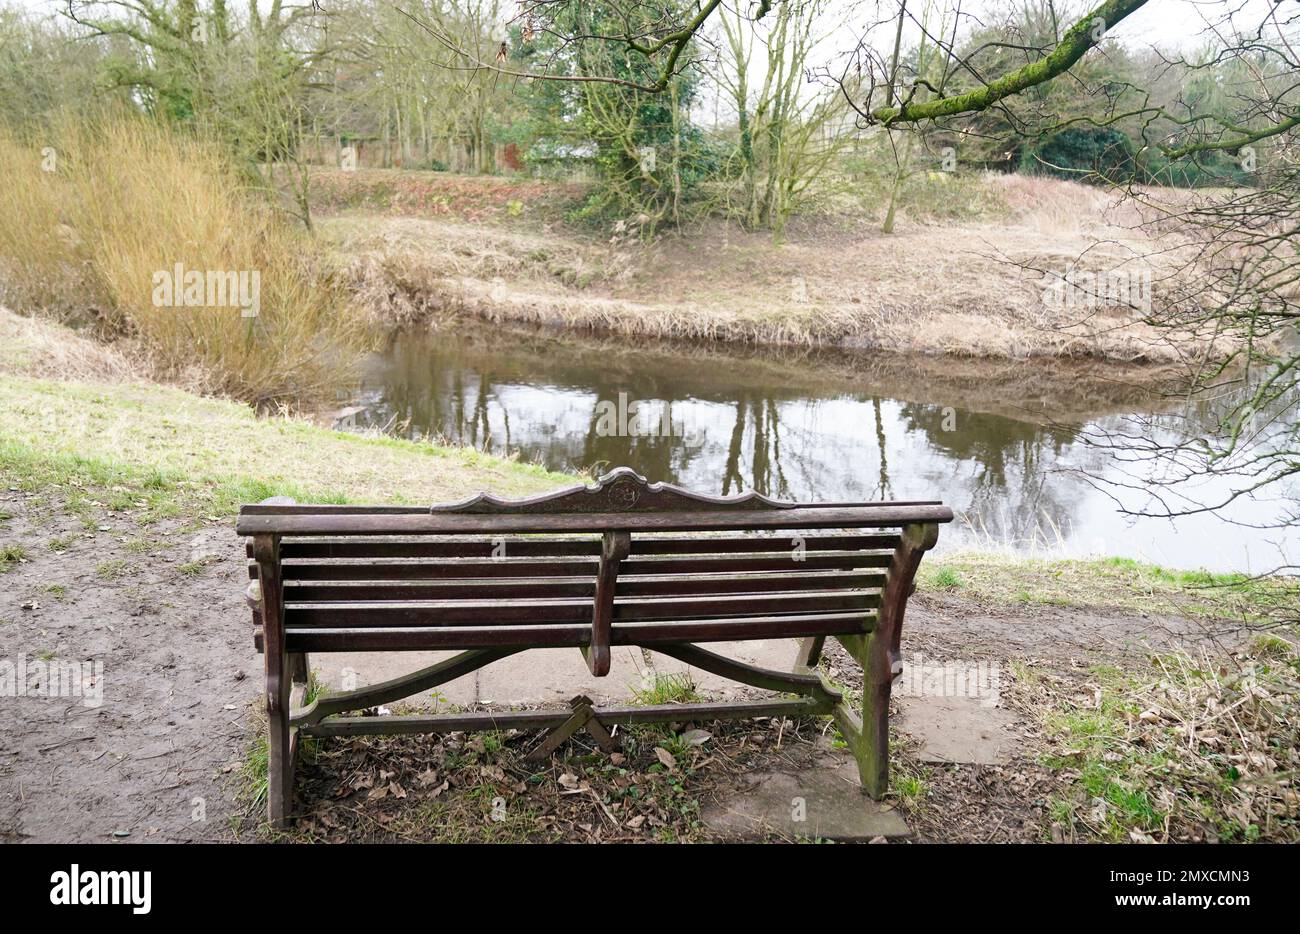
<point>970,285</point>
<point>48,350</point>
<point>403,269</point>
<point>97,218</point>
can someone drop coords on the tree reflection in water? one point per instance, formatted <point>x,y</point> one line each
<point>803,430</point>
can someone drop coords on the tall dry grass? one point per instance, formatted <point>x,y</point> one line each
<point>42,267</point>
<point>39,347</point>
<point>128,200</point>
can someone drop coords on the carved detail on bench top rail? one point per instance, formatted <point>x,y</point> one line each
<point>621,490</point>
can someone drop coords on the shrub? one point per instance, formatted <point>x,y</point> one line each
<point>129,200</point>
<point>1207,169</point>
<point>1104,154</point>
<point>1082,154</point>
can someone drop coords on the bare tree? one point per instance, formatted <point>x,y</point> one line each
<point>787,137</point>
<point>1232,287</point>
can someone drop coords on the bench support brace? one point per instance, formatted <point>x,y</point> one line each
<point>815,697</point>
<point>615,546</point>
<point>475,721</point>
<point>397,688</point>
<point>584,715</point>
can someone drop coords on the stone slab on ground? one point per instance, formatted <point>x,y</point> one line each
<point>958,729</point>
<point>829,798</point>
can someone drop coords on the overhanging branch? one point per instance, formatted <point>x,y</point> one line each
<point>1078,39</point>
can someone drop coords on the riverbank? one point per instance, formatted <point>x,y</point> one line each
<point>187,455</point>
<point>962,275</point>
<point>116,506</point>
<point>117,499</point>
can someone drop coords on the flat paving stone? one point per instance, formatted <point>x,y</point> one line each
<point>545,676</point>
<point>958,729</point>
<point>823,802</point>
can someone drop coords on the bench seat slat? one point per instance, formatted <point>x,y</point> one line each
<point>496,612</point>
<point>307,639</point>
<point>450,569</point>
<point>442,548</point>
<point>401,591</point>
<point>569,547</point>
<point>559,567</point>
<point>751,544</point>
<point>669,585</point>
<point>819,561</point>
<point>294,521</point>
<point>560,587</point>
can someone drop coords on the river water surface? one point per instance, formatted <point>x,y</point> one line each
<point>1003,444</point>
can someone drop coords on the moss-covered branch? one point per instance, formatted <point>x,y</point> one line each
<point>1078,39</point>
<point>1245,138</point>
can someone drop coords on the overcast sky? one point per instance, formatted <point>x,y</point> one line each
<point>1180,23</point>
<point>1167,23</point>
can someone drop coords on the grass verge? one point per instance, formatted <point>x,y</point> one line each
<point>1110,582</point>
<point>156,452</point>
<point>417,245</point>
<point>1200,748</point>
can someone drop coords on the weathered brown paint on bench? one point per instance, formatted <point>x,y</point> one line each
<point>349,578</point>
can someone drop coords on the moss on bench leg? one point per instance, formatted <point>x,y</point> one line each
<point>867,733</point>
<point>879,653</point>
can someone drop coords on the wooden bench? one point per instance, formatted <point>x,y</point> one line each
<point>620,563</point>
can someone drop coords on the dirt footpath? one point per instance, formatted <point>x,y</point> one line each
<point>143,760</point>
<point>157,756</point>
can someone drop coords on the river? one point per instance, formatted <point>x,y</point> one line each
<point>1005,444</point>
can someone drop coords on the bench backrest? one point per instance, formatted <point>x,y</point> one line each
<point>621,562</point>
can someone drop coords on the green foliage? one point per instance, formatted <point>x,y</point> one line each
<point>1140,761</point>
<point>1081,153</point>
<point>1109,156</point>
<point>947,579</point>
<point>667,689</point>
<point>1203,170</point>
<point>11,555</point>
<point>1119,582</point>
<point>645,153</point>
<point>111,570</point>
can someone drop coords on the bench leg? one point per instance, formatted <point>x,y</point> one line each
<point>881,659</point>
<point>280,745</point>
<point>279,776</point>
<point>873,751</point>
<point>282,669</point>
<point>867,736</point>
